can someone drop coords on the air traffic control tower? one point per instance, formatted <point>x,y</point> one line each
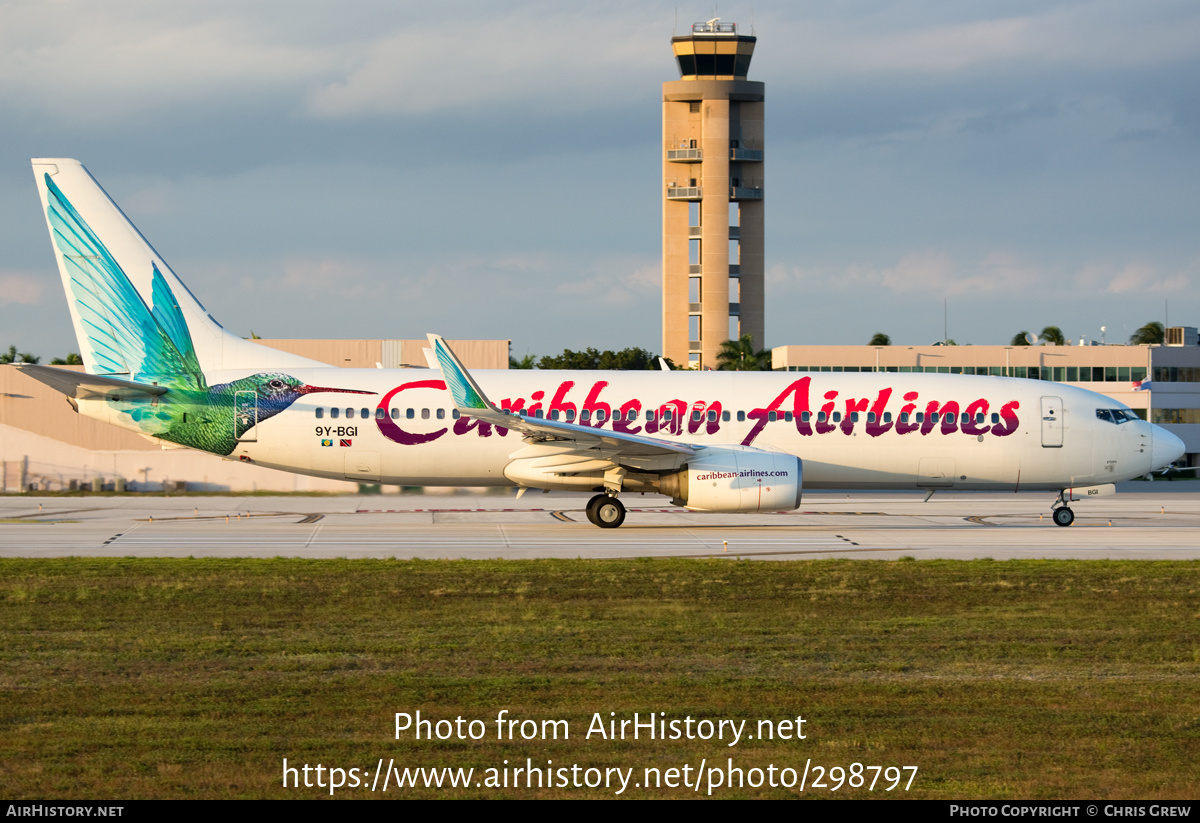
<point>712,196</point>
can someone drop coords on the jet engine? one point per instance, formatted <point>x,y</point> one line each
<point>731,479</point>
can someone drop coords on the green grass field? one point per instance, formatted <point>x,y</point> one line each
<point>136,678</point>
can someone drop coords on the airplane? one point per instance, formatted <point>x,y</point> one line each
<point>158,364</point>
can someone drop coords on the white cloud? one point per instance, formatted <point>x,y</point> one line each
<point>86,62</point>
<point>1131,279</point>
<point>616,283</point>
<point>928,272</point>
<point>20,289</point>
<point>515,55</point>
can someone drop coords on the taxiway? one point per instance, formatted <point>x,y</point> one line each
<point>1146,520</point>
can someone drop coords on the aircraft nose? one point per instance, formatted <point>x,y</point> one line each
<point>1167,448</point>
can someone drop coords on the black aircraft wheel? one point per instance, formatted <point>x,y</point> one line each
<point>1064,516</point>
<point>592,505</point>
<point>610,513</point>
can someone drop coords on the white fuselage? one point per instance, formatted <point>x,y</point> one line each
<point>871,430</point>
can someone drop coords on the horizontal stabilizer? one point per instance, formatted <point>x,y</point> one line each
<point>83,386</point>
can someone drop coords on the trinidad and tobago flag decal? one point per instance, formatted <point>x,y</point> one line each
<point>343,442</point>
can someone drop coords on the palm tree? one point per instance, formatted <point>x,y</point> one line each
<point>14,356</point>
<point>880,339</point>
<point>739,355</point>
<point>1152,332</point>
<point>1053,334</point>
<point>1019,339</point>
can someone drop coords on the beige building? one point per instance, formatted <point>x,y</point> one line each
<point>712,196</point>
<point>44,442</point>
<point>1172,398</point>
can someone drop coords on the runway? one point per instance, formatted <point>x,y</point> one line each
<point>1145,520</point>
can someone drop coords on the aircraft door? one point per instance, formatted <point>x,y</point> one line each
<point>1052,414</point>
<point>245,416</point>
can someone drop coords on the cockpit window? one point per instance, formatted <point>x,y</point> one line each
<point>1117,416</point>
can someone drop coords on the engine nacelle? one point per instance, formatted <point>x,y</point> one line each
<point>736,479</point>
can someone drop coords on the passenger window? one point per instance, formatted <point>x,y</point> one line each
<point>410,414</point>
<point>921,417</point>
<point>454,414</point>
<point>601,416</point>
<point>666,415</point>
<point>820,417</point>
<point>995,418</point>
<point>585,416</point>
<point>741,417</point>
<point>441,414</point>
<point>853,417</point>
<point>380,414</point>
<point>725,416</point>
<point>787,417</point>
<point>837,417</point>
<point>633,415</point>
<point>806,416</point>
<point>320,412</point>
<point>772,416</point>
<point>395,414</point>
<point>570,415</point>
<point>966,418</point>
<point>539,414</point>
<point>695,415</point>
<point>903,417</point>
<point>349,414</point>
<point>870,417</point>
<point>424,414</point>
<point>333,413</point>
<point>712,417</point>
<point>363,413</point>
<point>933,417</point>
<point>554,414</point>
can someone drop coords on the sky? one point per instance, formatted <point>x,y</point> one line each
<point>382,169</point>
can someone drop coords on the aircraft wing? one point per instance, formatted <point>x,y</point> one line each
<point>606,444</point>
<point>81,385</point>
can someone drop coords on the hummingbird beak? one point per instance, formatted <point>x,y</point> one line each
<point>310,389</point>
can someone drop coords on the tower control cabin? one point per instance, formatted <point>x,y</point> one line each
<point>712,196</point>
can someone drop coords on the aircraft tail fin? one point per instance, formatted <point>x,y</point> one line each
<point>132,314</point>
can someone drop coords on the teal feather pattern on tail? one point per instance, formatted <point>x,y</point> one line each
<point>125,336</point>
<point>153,345</point>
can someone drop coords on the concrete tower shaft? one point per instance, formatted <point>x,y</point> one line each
<point>712,196</point>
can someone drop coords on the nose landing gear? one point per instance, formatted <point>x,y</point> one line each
<point>606,511</point>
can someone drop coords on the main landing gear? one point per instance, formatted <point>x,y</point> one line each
<point>606,511</point>
<point>1061,512</point>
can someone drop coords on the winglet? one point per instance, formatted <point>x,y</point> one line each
<point>468,397</point>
